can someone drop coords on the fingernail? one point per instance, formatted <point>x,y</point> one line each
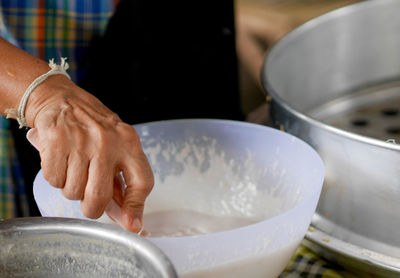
<point>132,224</point>
<point>33,137</point>
<point>137,225</point>
<point>113,211</point>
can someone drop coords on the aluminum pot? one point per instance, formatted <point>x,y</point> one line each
<point>61,247</point>
<point>341,65</point>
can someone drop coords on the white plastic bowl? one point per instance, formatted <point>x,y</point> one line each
<point>238,169</point>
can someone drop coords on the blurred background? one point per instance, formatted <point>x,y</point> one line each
<point>260,23</point>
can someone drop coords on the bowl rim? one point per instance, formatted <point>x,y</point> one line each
<point>313,152</point>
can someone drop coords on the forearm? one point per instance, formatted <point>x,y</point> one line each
<point>83,145</point>
<point>18,69</point>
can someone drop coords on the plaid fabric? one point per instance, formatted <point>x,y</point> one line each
<point>55,28</point>
<point>306,264</point>
<point>46,29</point>
<point>13,200</point>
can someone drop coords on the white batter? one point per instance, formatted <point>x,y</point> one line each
<point>174,223</point>
<point>203,192</point>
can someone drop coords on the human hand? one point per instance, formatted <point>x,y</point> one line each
<point>84,147</point>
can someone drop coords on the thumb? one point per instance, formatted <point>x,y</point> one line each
<point>139,183</point>
<point>33,137</point>
<point>132,210</point>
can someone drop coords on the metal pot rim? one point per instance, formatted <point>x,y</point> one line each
<point>351,251</point>
<point>80,227</point>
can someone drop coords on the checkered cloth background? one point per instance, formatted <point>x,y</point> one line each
<point>57,28</point>
<point>46,29</point>
<point>13,200</point>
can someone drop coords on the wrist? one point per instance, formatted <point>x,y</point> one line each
<point>54,91</point>
<point>20,112</point>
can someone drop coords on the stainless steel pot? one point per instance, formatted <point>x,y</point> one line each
<point>61,247</point>
<point>322,77</point>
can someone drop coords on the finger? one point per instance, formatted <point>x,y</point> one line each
<point>114,211</point>
<point>119,188</point>
<point>99,188</point>
<point>54,173</point>
<point>53,163</point>
<point>139,181</point>
<point>77,175</point>
<point>33,137</point>
<point>113,208</point>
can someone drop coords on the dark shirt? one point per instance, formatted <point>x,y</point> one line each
<point>158,61</point>
<point>167,60</point>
